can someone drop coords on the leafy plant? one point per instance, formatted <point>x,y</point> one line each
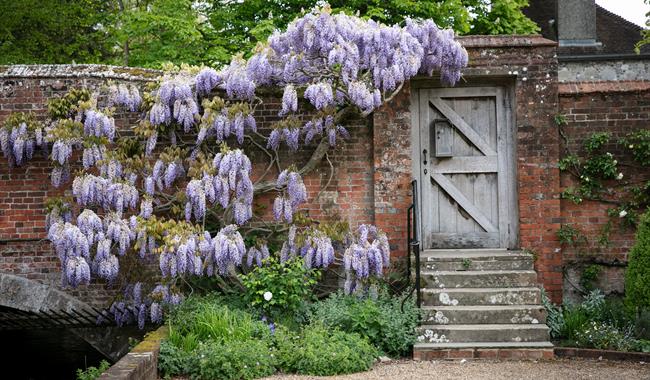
<point>589,276</point>
<point>554,316</point>
<point>92,373</point>
<point>203,319</point>
<point>280,289</point>
<point>568,234</point>
<point>234,360</point>
<point>381,321</point>
<point>173,360</point>
<point>322,351</point>
<point>604,336</point>
<point>637,275</point>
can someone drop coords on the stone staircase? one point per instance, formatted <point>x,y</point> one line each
<point>480,303</point>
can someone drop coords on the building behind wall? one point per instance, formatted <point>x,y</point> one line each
<point>603,87</point>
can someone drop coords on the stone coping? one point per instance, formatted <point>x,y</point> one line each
<point>141,363</point>
<point>504,41</point>
<point>79,71</point>
<point>590,353</point>
<point>570,88</point>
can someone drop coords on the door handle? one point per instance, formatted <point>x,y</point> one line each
<point>424,152</point>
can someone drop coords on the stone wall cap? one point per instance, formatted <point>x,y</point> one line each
<point>504,41</point>
<point>78,71</point>
<point>571,88</point>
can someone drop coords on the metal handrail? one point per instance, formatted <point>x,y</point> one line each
<point>413,242</point>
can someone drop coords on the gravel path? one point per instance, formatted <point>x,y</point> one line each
<point>573,369</point>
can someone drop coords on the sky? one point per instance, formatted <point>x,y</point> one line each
<point>631,10</point>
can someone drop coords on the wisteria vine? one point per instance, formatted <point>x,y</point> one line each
<point>181,190</point>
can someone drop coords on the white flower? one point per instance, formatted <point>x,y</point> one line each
<point>622,213</point>
<point>631,146</point>
<point>268,296</point>
<point>619,176</point>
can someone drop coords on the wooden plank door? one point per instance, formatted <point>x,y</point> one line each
<point>466,168</point>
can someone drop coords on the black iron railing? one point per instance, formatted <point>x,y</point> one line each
<point>413,240</point>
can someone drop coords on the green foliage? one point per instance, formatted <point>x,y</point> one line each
<point>149,33</point>
<point>235,360</point>
<point>290,285</point>
<point>604,336</point>
<point>466,263</point>
<point>205,318</point>
<point>173,360</point>
<point>645,33</point>
<point>589,276</point>
<point>92,373</point>
<point>554,316</point>
<point>320,351</point>
<point>54,31</point>
<point>637,275</point>
<point>638,143</point>
<point>381,321</point>
<point>568,234</point>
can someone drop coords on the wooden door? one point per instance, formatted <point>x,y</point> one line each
<point>466,167</point>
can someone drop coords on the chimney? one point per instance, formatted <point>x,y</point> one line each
<point>576,23</point>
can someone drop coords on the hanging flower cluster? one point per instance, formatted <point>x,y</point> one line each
<point>317,251</point>
<point>285,205</point>
<point>96,190</point>
<point>227,251</point>
<point>127,97</point>
<point>181,256</point>
<point>257,254</point>
<point>220,122</point>
<point>175,101</point>
<point>19,137</point>
<point>366,257</point>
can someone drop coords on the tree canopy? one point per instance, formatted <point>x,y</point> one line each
<point>149,33</point>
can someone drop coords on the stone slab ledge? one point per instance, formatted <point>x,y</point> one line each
<point>79,71</point>
<point>484,353</point>
<point>141,363</point>
<point>590,353</point>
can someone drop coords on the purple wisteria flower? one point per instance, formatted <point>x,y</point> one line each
<point>129,97</point>
<point>320,95</point>
<point>295,194</point>
<point>206,80</point>
<point>366,257</point>
<point>227,250</point>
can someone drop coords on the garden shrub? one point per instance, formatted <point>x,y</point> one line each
<point>637,275</point>
<point>604,336</point>
<point>173,360</point>
<point>323,351</point>
<point>286,285</point>
<point>92,373</point>
<point>245,359</point>
<point>381,321</point>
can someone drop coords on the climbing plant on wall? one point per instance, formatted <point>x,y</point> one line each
<point>179,186</point>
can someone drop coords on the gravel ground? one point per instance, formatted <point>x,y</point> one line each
<point>572,369</point>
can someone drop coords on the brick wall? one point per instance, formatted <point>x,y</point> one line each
<point>618,108</point>
<point>370,181</point>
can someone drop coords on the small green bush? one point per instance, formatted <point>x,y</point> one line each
<point>91,373</point>
<point>381,321</point>
<point>637,275</point>
<point>247,359</point>
<point>604,336</point>
<point>323,352</point>
<point>289,284</point>
<point>173,360</point>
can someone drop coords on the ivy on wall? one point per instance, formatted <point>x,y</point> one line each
<point>607,170</point>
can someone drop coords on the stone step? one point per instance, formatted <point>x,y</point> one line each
<point>484,314</point>
<point>481,296</point>
<point>474,260</point>
<point>482,333</point>
<point>441,346</point>
<point>478,279</point>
